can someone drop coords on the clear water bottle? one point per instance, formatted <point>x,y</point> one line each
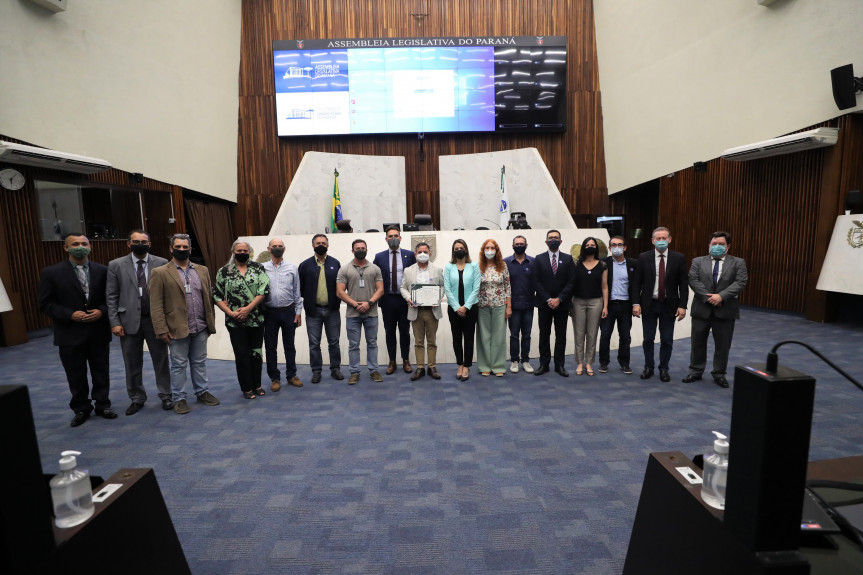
<point>71,492</point>
<point>716,473</point>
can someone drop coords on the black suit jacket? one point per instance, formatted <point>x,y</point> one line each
<point>383,260</point>
<point>631,271</point>
<point>549,285</point>
<point>676,282</point>
<point>308,271</point>
<point>61,295</point>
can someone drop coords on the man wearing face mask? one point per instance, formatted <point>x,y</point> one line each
<point>621,272</point>
<point>181,306</point>
<point>555,276</point>
<point>523,287</point>
<point>128,299</point>
<point>283,310</point>
<point>360,285</point>
<point>659,294</point>
<point>394,308</point>
<point>72,294</point>
<point>424,318</point>
<point>717,280</point>
<point>318,288</point>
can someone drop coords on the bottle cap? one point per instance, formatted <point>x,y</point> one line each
<point>69,460</point>
<point>721,443</point>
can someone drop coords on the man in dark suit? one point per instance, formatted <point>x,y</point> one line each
<point>621,273</point>
<point>318,287</point>
<point>395,309</point>
<point>659,294</point>
<point>72,293</point>
<point>555,276</point>
<point>717,280</point>
<point>128,299</point>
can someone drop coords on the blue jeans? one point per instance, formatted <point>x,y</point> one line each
<point>274,320</point>
<point>191,350</point>
<point>353,326</point>
<point>520,323</point>
<point>317,319</point>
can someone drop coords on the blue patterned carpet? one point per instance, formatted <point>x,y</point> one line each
<point>516,475</point>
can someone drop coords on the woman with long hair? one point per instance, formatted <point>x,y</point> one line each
<point>495,307</point>
<point>461,285</point>
<point>589,303</point>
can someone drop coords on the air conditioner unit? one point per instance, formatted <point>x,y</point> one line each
<point>765,2</point>
<point>45,158</point>
<point>817,138</point>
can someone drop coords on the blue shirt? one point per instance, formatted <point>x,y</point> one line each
<point>522,281</point>
<point>620,281</point>
<point>284,286</point>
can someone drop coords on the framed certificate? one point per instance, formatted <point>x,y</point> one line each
<point>426,294</point>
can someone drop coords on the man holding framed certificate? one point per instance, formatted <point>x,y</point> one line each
<point>422,288</point>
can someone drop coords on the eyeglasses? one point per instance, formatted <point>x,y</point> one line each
<point>616,245</point>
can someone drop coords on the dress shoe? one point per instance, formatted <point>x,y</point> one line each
<point>208,398</point>
<point>107,413</point>
<point>167,404</point>
<point>316,377</point>
<point>353,379</point>
<point>433,373</point>
<point>276,385</point>
<point>80,417</point>
<point>376,376</point>
<point>420,372</point>
<point>690,377</point>
<point>181,407</point>
<point>625,367</point>
<point>561,371</point>
<point>543,369</point>
<point>720,381</point>
<point>336,373</point>
<point>391,368</point>
<point>295,381</point>
<point>603,368</point>
<point>664,375</point>
<point>647,373</point>
<point>527,367</point>
<point>134,408</point>
<point>407,366</point>
<point>513,367</point>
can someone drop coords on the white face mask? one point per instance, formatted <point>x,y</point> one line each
<point>422,257</point>
<point>489,254</point>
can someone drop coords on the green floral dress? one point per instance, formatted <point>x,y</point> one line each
<point>238,291</point>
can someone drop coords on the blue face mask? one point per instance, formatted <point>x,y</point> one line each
<point>661,245</point>
<point>717,251</point>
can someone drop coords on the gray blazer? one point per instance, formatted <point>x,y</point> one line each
<point>124,305</point>
<point>731,282</point>
<point>409,277</point>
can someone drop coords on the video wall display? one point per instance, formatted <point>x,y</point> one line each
<point>419,85</point>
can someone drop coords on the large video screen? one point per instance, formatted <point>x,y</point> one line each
<point>418,85</point>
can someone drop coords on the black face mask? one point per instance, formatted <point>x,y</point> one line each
<point>589,251</point>
<point>320,250</point>
<point>181,255</point>
<point>459,254</point>
<point>140,249</point>
<point>519,249</point>
<point>277,252</point>
<point>242,258</point>
<point>553,245</point>
<point>360,254</point>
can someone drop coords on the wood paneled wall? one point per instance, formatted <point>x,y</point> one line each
<point>266,163</point>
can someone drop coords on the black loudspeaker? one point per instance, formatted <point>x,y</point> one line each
<point>26,519</point>
<point>854,202</point>
<point>771,420</point>
<point>700,167</point>
<point>844,86</point>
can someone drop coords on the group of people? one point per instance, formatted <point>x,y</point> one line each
<point>170,305</point>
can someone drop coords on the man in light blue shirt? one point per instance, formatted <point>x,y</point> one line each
<point>283,309</point>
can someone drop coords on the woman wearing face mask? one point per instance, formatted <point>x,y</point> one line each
<point>589,303</point>
<point>241,285</point>
<point>461,285</point>
<point>495,307</point>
